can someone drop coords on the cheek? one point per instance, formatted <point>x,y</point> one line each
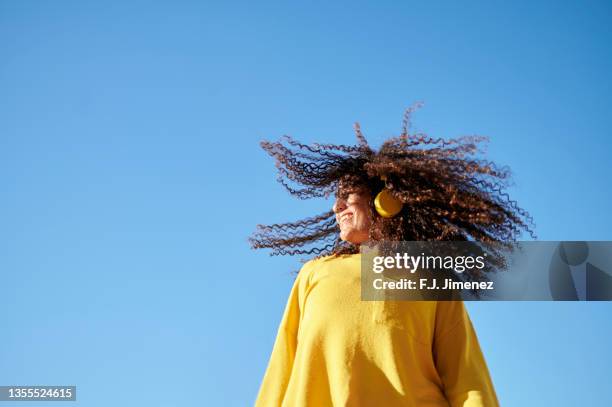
<point>363,220</point>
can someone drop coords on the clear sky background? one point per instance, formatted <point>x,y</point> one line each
<point>131,177</point>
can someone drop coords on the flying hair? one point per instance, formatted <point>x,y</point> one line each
<point>448,192</point>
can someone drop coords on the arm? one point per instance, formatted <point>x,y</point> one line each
<point>459,359</point>
<point>276,378</point>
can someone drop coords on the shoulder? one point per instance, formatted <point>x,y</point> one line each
<point>317,265</point>
<point>327,261</point>
<point>452,310</point>
<point>312,265</point>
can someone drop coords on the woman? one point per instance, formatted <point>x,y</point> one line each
<point>332,349</point>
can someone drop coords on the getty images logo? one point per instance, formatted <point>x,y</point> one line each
<point>576,272</point>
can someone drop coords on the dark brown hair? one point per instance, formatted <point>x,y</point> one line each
<point>448,193</point>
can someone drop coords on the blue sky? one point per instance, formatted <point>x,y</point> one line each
<point>132,176</point>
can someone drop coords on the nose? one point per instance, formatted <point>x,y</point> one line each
<point>339,206</point>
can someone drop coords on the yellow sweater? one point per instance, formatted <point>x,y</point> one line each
<point>332,349</point>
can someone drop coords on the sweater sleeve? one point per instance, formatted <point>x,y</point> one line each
<point>278,372</point>
<point>459,359</point>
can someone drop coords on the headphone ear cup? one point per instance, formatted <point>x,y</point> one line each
<point>386,204</point>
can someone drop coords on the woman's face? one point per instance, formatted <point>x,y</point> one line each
<point>353,216</point>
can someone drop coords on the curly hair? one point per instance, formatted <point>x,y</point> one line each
<point>448,193</point>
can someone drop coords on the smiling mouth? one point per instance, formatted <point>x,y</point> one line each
<point>345,219</point>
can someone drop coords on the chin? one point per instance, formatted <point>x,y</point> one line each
<point>346,237</point>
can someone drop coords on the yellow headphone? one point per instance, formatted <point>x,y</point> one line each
<point>386,204</point>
